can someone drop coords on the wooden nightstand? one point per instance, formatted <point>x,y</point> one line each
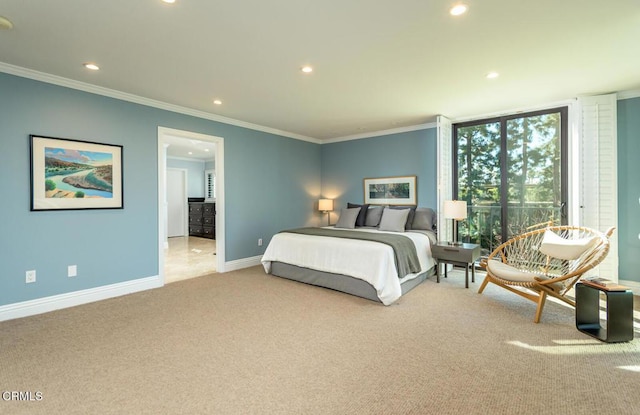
<point>461,255</point>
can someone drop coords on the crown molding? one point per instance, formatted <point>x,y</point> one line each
<point>380,133</point>
<point>124,96</point>
<point>634,93</point>
<point>98,90</point>
<point>556,104</point>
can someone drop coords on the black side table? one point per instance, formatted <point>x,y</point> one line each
<point>619,305</point>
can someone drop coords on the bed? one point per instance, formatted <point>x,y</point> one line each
<point>373,262</point>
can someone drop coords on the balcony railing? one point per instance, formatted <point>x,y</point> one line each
<point>483,225</point>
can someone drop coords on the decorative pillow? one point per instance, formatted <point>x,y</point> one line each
<point>394,220</point>
<point>360,221</point>
<point>412,211</point>
<point>558,247</point>
<point>374,214</point>
<point>348,218</point>
<point>424,219</point>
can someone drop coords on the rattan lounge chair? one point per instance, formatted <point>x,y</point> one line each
<point>547,261</point>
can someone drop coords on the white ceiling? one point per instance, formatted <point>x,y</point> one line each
<point>186,148</point>
<point>377,65</point>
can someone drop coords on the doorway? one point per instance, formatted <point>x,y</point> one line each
<point>165,137</point>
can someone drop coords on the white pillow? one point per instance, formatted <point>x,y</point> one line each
<point>558,247</point>
<point>348,218</point>
<point>394,220</point>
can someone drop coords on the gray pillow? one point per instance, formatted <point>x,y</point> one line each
<point>374,214</point>
<point>348,218</point>
<point>424,219</point>
<point>360,221</point>
<point>394,219</point>
<point>412,210</point>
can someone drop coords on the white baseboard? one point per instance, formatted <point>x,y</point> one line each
<point>56,302</point>
<point>72,299</point>
<point>242,263</point>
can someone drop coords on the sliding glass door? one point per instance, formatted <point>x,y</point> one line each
<point>512,172</point>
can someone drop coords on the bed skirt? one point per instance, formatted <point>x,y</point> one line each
<point>339,282</point>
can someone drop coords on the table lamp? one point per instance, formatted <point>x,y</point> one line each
<point>326,206</point>
<point>456,210</point>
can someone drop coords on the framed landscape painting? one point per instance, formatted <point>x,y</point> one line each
<point>73,174</point>
<point>390,191</point>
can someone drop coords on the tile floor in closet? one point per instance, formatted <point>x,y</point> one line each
<point>189,257</point>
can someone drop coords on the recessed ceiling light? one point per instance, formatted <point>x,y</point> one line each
<point>492,75</point>
<point>169,1</point>
<point>5,23</point>
<point>306,69</point>
<point>217,102</point>
<point>458,9</point>
<point>91,65</point>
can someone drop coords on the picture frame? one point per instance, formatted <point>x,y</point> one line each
<point>71,174</point>
<point>399,190</point>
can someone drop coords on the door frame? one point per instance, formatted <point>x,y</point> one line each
<point>163,133</point>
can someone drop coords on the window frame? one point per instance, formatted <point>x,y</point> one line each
<point>502,120</point>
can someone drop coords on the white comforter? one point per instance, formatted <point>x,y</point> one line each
<point>366,260</point>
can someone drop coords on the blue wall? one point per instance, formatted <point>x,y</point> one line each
<point>271,183</point>
<point>629,189</point>
<point>346,164</point>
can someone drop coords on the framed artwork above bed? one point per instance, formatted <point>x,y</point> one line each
<point>400,190</point>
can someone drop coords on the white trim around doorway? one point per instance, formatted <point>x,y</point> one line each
<point>163,133</point>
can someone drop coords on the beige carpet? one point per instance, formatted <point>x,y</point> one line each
<point>247,343</point>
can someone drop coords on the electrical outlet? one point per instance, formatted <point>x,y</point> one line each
<point>260,242</point>
<point>30,276</point>
<point>72,270</point>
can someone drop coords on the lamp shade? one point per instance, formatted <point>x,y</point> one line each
<point>325,205</point>
<point>455,209</point>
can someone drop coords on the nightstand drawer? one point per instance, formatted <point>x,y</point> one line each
<point>461,253</point>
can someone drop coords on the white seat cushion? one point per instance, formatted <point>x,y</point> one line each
<point>509,273</point>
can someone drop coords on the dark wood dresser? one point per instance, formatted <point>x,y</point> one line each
<point>202,219</point>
